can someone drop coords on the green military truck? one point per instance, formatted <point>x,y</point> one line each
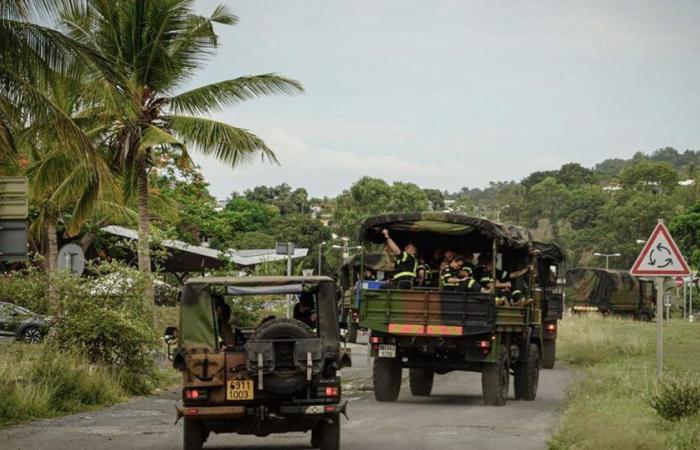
<point>431,331</point>
<point>375,265</point>
<point>548,293</point>
<point>610,292</point>
<point>281,376</point>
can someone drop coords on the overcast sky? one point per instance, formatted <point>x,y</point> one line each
<point>452,93</point>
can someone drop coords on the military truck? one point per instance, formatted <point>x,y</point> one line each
<point>280,376</point>
<point>609,291</point>
<point>375,265</point>
<point>430,331</point>
<point>549,294</point>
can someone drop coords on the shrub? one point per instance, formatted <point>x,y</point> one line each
<point>676,397</point>
<point>26,288</point>
<point>106,320</point>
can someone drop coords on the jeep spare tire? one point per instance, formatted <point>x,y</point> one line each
<point>286,377</point>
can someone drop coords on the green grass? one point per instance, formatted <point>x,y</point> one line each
<point>609,407</point>
<point>38,383</point>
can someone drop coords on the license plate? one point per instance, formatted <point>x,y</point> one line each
<point>314,409</point>
<point>387,351</point>
<point>240,390</point>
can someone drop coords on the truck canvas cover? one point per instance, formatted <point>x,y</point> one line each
<point>601,287</point>
<point>446,230</point>
<point>198,329</point>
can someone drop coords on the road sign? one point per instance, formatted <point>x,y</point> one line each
<point>13,198</point>
<point>284,248</point>
<point>13,240</point>
<point>71,258</point>
<point>679,282</point>
<point>660,256</point>
<point>13,186</point>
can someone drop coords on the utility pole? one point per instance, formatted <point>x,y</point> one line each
<point>607,258</point>
<point>320,256</point>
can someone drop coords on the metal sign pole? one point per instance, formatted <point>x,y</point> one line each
<point>289,274</point>
<point>685,299</point>
<point>659,326</point>
<point>690,303</point>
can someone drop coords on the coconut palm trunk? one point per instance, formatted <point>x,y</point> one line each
<point>144,249</point>
<point>51,263</point>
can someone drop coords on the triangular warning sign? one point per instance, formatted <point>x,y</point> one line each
<point>660,256</point>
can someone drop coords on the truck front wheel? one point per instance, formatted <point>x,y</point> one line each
<point>527,375</point>
<point>549,351</point>
<point>386,376</point>
<point>495,379</point>
<point>421,381</point>
<point>194,434</point>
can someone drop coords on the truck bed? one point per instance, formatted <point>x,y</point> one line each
<point>423,312</point>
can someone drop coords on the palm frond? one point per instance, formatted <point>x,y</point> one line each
<point>224,142</point>
<point>152,137</point>
<point>218,95</point>
<point>223,16</point>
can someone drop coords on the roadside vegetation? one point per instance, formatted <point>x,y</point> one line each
<point>101,349</point>
<point>616,402</point>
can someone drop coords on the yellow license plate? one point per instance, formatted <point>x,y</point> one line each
<point>240,390</point>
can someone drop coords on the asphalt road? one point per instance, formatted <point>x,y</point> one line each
<point>453,417</point>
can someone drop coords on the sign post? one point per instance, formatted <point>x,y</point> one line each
<point>660,257</point>
<point>287,248</point>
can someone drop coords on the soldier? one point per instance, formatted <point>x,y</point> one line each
<point>304,311</point>
<point>406,268</point>
<point>503,281</point>
<point>452,275</point>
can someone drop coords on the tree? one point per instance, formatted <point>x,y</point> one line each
<point>139,112</point>
<point>436,198</point>
<point>31,57</point>
<point>282,196</point>
<point>537,177</point>
<point>545,200</point>
<point>685,229</point>
<point>650,176</point>
<point>574,174</point>
<point>372,196</point>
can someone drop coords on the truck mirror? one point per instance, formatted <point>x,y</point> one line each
<point>170,335</point>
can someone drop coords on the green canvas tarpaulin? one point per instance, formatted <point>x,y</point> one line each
<point>449,230</point>
<point>197,316</point>
<point>601,287</point>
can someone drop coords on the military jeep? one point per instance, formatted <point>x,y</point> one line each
<point>279,376</point>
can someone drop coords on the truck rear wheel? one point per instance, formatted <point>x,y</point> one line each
<point>326,436</point>
<point>549,351</point>
<point>386,376</point>
<point>194,434</point>
<point>421,381</point>
<point>352,333</point>
<point>527,375</point>
<point>495,379</point>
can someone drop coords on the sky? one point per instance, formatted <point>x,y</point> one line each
<point>454,93</point>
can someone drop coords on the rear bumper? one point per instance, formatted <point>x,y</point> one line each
<point>233,412</point>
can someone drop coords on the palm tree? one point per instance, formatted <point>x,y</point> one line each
<point>31,55</point>
<point>154,46</point>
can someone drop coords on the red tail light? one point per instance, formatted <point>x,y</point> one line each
<point>375,340</point>
<point>196,394</point>
<point>330,408</point>
<point>551,327</point>
<point>484,344</point>
<point>331,391</point>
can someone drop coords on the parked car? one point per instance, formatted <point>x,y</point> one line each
<point>22,324</point>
